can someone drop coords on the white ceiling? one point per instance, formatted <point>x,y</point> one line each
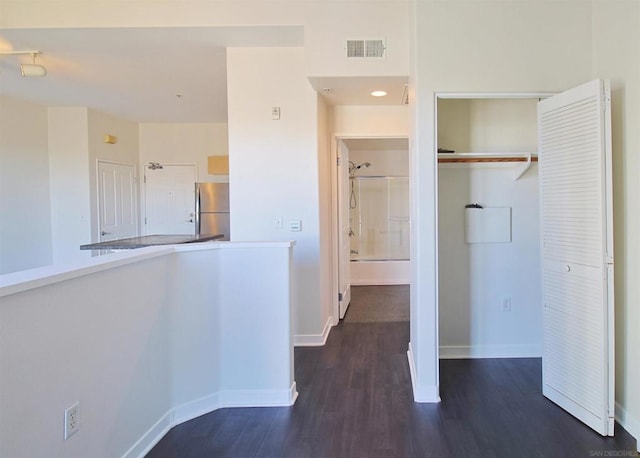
<point>137,73</point>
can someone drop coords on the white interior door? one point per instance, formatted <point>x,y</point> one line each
<point>577,250</point>
<point>344,261</point>
<point>117,201</point>
<point>170,199</point>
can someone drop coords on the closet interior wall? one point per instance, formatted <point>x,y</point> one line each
<point>489,293</point>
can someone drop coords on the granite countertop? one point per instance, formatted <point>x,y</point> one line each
<point>149,240</point>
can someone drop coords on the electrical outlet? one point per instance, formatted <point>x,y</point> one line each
<point>506,304</point>
<point>71,420</point>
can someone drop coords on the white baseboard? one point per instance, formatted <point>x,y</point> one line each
<point>631,424</point>
<point>258,398</point>
<point>194,409</point>
<point>206,404</point>
<point>314,340</point>
<point>424,394</point>
<point>490,351</point>
<point>153,435</point>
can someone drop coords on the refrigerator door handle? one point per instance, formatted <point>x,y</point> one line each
<point>197,209</point>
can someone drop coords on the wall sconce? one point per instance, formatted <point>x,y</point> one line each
<point>28,70</point>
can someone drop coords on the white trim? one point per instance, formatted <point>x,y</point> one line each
<point>258,398</point>
<point>490,351</point>
<point>430,394</point>
<point>494,95</point>
<point>196,408</point>
<point>207,404</point>
<point>315,340</point>
<point>153,435</point>
<point>631,424</point>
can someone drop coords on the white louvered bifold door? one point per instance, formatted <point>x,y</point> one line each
<point>577,250</point>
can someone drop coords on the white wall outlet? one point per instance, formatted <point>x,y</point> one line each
<point>71,420</point>
<point>506,304</point>
<point>295,225</point>
<point>275,113</point>
<point>278,222</point>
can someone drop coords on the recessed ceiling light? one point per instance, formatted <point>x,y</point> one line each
<point>379,93</point>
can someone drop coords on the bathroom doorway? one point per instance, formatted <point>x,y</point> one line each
<point>373,213</point>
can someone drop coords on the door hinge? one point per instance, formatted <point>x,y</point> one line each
<point>338,162</point>
<point>145,220</point>
<point>145,179</point>
<point>339,296</point>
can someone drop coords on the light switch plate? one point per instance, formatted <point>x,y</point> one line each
<point>275,113</point>
<point>295,225</point>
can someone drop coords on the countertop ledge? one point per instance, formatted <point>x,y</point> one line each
<point>24,280</point>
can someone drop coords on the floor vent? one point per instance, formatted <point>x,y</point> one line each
<point>365,49</point>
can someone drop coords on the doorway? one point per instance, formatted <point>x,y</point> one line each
<point>372,213</point>
<point>169,198</point>
<point>575,244</point>
<point>117,201</point>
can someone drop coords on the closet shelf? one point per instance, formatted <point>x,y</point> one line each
<point>525,158</point>
<point>447,158</point>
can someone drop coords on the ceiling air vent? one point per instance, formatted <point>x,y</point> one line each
<point>365,49</point>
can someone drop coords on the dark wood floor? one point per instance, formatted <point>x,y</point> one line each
<point>378,304</point>
<point>356,401</point>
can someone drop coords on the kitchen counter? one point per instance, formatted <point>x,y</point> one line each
<point>149,240</point>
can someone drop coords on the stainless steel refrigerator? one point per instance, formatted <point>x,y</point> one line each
<point>212,209</point>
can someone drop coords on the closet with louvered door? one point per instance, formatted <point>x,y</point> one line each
<point>489,237</point>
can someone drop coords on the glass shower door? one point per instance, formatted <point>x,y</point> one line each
<point>379,218</point>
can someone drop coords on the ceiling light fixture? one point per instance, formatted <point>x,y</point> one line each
<point>32,69</point>
<point>379,93</point>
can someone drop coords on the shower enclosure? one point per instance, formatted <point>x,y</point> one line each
<point>379,218</point>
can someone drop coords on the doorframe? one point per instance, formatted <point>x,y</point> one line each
<point>458,95</point>
<point>143,188</point>
<point>98,191</point>
<point>335,217</point>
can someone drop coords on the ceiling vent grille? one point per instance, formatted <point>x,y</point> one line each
<point>365,49</point>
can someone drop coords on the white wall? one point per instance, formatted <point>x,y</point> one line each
<point>383,162</point>
<point>273,164</point>
<point>76,144</point>
<point>25,224</point>
<point>184,144</point>
<point>487,125</point>
<point>349,20</point>
<point>144,341</point>
<point>371,120</point>
<point>325,51</point>
<point>474,278</point>
<point>490,46</point>
<point>616,55</point>
<point>70,199</point>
